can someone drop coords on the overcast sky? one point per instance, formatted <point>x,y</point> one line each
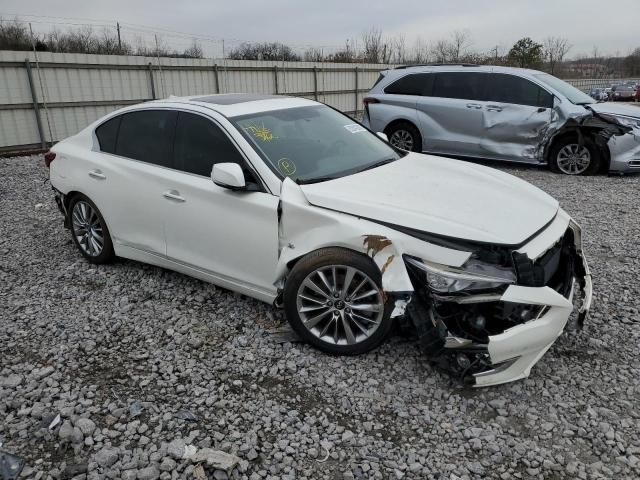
<point>612,27</point>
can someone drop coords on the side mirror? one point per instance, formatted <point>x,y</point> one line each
<point>228,175</point>
<point>383,136</point>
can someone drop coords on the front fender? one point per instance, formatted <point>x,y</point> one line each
<point>305,228</point>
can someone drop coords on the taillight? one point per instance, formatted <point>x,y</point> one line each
<point>369,100</point>
<point>49,157</point>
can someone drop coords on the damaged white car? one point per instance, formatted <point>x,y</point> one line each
<point>289,201</point>
<point>503,113</point>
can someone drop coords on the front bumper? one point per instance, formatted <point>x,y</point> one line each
<point>624,151</point>
<point>510,353</point>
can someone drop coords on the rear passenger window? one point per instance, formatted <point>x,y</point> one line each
<point>511,89</point>
<point>107,134</point>
<point>463,85</point>
<point>200,143</point>
<point>147,135</point>
<point>413,84</point>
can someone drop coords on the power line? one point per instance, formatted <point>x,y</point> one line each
<point>150,29</point>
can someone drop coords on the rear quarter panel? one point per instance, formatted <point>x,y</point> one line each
<point>392,108</point>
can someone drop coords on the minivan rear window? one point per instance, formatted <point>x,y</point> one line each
<point>463,85</point>
<point>412,84</point>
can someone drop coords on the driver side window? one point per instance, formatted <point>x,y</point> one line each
<point>200,143</point>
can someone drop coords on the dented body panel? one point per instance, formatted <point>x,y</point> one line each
<point>305,228</point>
<point>499,130</point>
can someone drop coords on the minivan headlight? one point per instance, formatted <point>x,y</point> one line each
<point>473,275</point>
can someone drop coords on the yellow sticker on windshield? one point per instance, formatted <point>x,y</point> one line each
<point>286,167</point>
<point>261,132</point>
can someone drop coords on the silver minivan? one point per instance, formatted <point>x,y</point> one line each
<point>503,113</point>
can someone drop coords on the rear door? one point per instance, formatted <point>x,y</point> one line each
<point>135,151</point>
<point>230,234</point>
<point>516,118</point>
<point>450,114</point>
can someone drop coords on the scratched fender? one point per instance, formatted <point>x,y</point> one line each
<point>305,228</point>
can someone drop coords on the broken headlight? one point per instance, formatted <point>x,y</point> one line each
<point>473,275</point>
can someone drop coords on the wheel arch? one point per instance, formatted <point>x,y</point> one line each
<point>398,121</point>
<point>578,132</point>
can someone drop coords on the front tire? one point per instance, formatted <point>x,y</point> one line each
<point>89,230</point>
<point>569,156</point>
<point>334,301</point>
<point>405,136</point>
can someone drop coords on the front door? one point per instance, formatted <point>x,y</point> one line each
<point>516,119</point>
<point>232,235</point>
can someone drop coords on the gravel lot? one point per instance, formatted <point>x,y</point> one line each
<point>139,362</point>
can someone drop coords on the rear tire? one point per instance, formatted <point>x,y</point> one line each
<point>334,301</point>
<point>405,136</point>
<point>89,230</point>
<point>569,157</point>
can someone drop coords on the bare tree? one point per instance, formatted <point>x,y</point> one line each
<point>399,46</point>
<point>376,48</point>
<point>194,51</point>
<point>459,44</point>
<point>441,51</point>
<point>555,49</point>
<point>421,51</point>
<point>313,55</point>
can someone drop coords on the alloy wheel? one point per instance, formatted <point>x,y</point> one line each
<point>573,159</point>
<point>340,305</point>
<point>87,228</point>
<point>402,139</point>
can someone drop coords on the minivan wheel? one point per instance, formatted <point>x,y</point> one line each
<point>404,136</point>
<point>333,301</point>
<point>570,157</point>
<point>89,230</point>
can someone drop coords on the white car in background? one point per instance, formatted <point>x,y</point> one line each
<point>289,201</point>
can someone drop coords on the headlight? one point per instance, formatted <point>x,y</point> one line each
<point>473,275</point>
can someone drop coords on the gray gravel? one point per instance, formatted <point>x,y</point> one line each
<point>158,375</point>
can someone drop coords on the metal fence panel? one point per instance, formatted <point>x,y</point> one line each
<point>76,89</point>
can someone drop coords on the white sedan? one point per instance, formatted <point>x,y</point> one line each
<point>291,202</point>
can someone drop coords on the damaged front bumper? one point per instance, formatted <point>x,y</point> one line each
<point>625,152</point>
<point>494,338</point>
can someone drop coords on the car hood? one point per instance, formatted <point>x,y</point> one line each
<point>616,109</point>
<point>441,196</point>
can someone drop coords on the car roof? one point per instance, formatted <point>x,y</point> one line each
<point>463,67</point>
<point>237,104</point>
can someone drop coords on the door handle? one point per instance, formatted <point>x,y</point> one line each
<point>494,108</point>
<point>173,195</point>
<point>97,174</point>
<point>477,106</point>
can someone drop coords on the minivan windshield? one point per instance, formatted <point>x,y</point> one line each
<point>572,94</point>
<point>314,143</point>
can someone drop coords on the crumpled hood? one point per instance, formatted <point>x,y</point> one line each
<point>442,196</point>
<point>616,109</point>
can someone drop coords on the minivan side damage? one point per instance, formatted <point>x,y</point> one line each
<point>512,305</point>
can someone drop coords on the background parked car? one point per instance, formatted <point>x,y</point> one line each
<point>502,113</point>
<point>623,92</point>
<point>599,94</point>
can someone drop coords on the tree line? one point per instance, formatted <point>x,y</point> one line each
<point>373,46</point>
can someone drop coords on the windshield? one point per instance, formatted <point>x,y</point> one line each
<point>572,94</point>
<point>313,143</point>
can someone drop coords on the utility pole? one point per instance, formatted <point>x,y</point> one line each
<point>119,41</point>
